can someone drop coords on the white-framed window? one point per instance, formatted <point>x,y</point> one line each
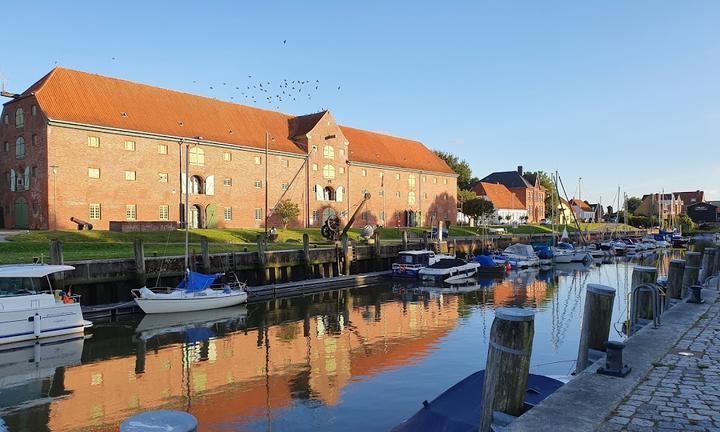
<point>227,156</point>
<point>329,172</point>
<point>314,167</point>
<point>434,180</point>
<point>197,156</point>
<point>19,118</point>
<point>129,145</point>
<point>314,217</point>
<point>411,198</point>
<point>411,181</point>
<point>258,214</point>
<point>94,211</point>
<point>33,110</point>
<point>424,179</point>
<point>130,212</point>
<point>258,160</point>
<point>164,213</point>
<point>397,194</point>
<point>329,152</point>
<point>258,184</point>
<point>130,175</point>
<point>20,148</point>
<point>444,181</point>
<point>284,186</point>
<point>341,170</point>
<point>162,149</point>
<point>94,172</point>
<point>93,141</point>
<point>227,181</point>
<point>227,213</point>
<point>397,176</point>
<point>381,193</point>
<point>363,173</point>
<point>284,163</point>
<point>163,177</point>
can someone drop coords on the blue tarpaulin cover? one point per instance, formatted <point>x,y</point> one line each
<point>485,261</point>
<point>459,408</point>
<point>196,282</point>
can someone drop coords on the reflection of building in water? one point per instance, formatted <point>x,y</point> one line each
<point>251,374</point>
<point>521,289</point>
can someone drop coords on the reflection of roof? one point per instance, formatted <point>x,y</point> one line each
<point>89,99</point>
<point>499,195</point>
<point>510,179</point>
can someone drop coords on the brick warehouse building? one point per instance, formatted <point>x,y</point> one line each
<point>103,149</point>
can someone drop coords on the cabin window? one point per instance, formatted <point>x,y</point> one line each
<point>20,286</point>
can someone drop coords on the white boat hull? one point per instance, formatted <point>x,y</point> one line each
<point>41,322</point>
<point>190,303</point>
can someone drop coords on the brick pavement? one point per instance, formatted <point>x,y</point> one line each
<point>681,392</point>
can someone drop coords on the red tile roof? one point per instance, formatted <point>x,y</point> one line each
<point>583,205</point>
<point>499,195</point>
<point>80,97</point>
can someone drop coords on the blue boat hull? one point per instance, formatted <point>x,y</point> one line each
<point>458,408</point>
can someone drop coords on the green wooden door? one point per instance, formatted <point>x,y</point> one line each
<point>21,213</point>
<point>212,216</point>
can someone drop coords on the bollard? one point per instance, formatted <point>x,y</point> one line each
<point>675,280</point>
<point>347,255</point>
<point>597,317</point>
<point>708,261</point>
<point>164,420</point>
<point>508,364</point>
<point>696,295</point>
<point>644,275</point>
<point>614,361</point>
<point>139,251</point>
<point>691,273</point>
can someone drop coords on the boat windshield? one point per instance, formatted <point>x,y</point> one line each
<point>15,286</point>
<point>413,259</point>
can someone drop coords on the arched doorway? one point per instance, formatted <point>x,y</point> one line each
<point>195,216</point>
<point>329,194</point>
<point>21,213</point>
<point>196,185</point>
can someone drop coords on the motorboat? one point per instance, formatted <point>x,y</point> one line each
<point>678,241</point>
<point>544,254</point>
<point>410,262</point>
<point>518,255</point>
<point>195,292</point>
<point>565,253</point>
<point>29,307</point>
<point>488,266</point>
<point>459,408</point>
<point>618,247</point>
<point>661,240</point>
<point>449,270</point>
<point>596,252</point>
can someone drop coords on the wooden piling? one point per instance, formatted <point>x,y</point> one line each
<point>57,258</point>
<point>644,275</point>
<point>347,254</point>
<point>708,259</point>
<point>307,264</point>
<point>691,273</point>
<point>139,251</point>
<point>205,252</point>
<point>597,317</point>
<point>261,260</point>
<point>508,364</point>
<point>404,240</point>
<point>377,252</point>
<point>675,279</point>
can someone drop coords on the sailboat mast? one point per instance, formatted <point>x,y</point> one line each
<point>187,202</point>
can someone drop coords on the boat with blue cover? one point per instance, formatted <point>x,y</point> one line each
<point>488,266</point>
<point>458,409</point>
<point>544,254</point>
<point>518,255</point>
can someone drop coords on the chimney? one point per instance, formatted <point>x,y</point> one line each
<point>520,170</point>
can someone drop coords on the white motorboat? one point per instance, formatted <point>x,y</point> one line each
<point>31,310</point>
<point>566,253</point>
<point>410,262</point>
<point>518,255</point>
<point>450,270</point>
<point>196,292</point>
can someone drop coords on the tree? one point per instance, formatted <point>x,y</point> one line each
<point>547,183</point>
<point>287,211</point>
<point>686,224</point>
<point>460,166</point>
<point>632,204</point>
<point>465,195</point>
<point>478,208</point>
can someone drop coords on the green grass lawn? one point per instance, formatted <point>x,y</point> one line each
<point>85,245</point>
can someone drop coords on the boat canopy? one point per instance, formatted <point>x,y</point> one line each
<point>565,246</point>
<point>196,282</point>
<point>485,261</point>
<point>520,249</point>
<point>32,270</point>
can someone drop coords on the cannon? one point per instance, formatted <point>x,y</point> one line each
<point>331,228</point>
<point>81,224</point>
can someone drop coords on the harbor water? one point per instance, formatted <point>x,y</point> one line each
<point>352,360</point>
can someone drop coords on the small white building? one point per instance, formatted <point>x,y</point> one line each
<point>508,208</point>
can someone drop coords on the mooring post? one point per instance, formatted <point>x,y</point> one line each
<point>708,260</point>
<point>675,279</point>
<point>508,364</point>
<point>404,240</point>
<point>347,254</point>
<point>377,251</point>
<point>261,259</point>
<point>644,275</point>
<point>691,273</point>
<point>56,257</point>
<point>307,265</point>
<point>139,261</point>
<point>205,252</point>
<point>596,320</point>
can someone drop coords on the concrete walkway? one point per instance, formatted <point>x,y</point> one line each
<point>682,391</point>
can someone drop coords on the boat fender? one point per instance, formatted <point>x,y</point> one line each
<point>36,325</point>
<point>508,267</point>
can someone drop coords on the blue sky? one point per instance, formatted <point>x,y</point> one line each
<point>619,93</point>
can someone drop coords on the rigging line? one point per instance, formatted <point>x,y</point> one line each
<point>164,260</point>
<point>297,173</point>
<point>582,238</point>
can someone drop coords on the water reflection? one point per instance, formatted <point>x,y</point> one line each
<point>349,359</point>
